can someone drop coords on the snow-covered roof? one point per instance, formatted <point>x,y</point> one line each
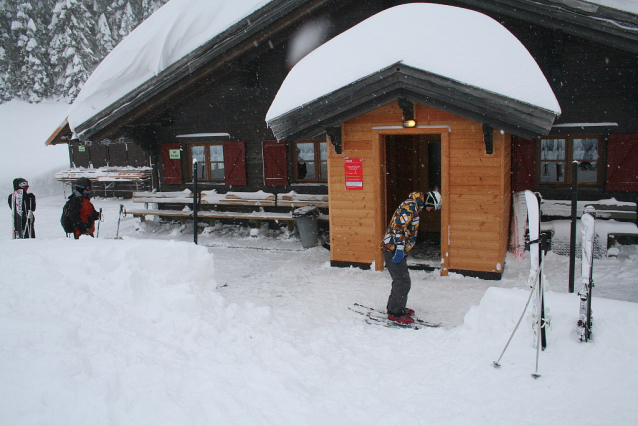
<point>630,6</point>
<point>171,33</point>
<point>459,44</point>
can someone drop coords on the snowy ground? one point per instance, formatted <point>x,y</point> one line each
<point>154,330</point>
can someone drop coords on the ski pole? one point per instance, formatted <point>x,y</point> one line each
<point>540,326</point>
<point>119,216</point>
<point>496,363</point>
<point>29,224</point>
<point>101,219</point>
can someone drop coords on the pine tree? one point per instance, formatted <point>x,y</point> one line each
<point>150,6</point>
<point>50,47</point>
<point>72,48</point>
<point>9,55</point>
<point>104,36</point>
<point>34,83</point>
<point>128,22</point>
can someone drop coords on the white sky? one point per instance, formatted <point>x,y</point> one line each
<point>457,43</point>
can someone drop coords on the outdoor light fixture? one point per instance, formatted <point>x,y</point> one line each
<point>408,113</point>
<point>409,123</point>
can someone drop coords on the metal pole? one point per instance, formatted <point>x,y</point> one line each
<point>572,237</point>
<point>195,201</point>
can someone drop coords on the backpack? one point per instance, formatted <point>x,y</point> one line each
<point>65,220</point>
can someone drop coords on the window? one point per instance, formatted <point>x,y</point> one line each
<point>310,161</point>
<point>210,161</point>
<point>219,161</point>
<point>557,154</point>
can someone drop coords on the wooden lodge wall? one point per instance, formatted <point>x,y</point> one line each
<point>475,188</point>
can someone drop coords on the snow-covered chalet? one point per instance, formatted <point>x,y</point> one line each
<point>367,100</point>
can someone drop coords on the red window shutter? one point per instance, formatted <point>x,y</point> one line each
<point>234,163</point>
<point>622,163</point>
<point>171,168</point>
<point>275,163</point>
<point>523,164</point>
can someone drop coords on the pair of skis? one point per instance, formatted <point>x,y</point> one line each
<point>378,317</point>
<point>25,223</point>
<point>588,223</point>
<point>536,280</point>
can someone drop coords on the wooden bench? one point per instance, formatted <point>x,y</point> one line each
<point>212,201</point>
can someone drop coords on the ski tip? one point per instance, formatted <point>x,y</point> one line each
<point>535,375</point>
<point>496,364</point>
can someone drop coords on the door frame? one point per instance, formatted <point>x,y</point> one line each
<point>381,215</point>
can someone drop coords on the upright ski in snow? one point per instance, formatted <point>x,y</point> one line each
<point>537,246</point>
<point>588,225</point>
<point>535,278</point>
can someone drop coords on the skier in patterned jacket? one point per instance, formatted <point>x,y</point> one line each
<point>399,240</point>
<point>22,205</point>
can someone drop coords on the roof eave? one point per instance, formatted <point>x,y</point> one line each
<point>597,23</point>
<point>60,135</point>
<point>419,86</point>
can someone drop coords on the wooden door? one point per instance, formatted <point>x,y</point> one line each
<point>171,164</point>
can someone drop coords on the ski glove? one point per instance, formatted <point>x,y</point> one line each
<point>398,254</point>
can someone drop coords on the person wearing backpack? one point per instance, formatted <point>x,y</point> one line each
<point>82,213</point>
<point>22,206</point>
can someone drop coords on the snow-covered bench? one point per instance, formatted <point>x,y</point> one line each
<point>605,209</point>
<point>614,219</point>
<point>210,203</point>
<point>110,181</point>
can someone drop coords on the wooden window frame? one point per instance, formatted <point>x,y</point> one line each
<point>207,161</point>
<point>317,161</point>
<point>569,155</point>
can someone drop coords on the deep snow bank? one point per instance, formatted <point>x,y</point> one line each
<point>104,332</point>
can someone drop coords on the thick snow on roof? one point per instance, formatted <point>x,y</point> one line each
<point>172,32</point>
<point>630,6</point>
<point>452,42</point>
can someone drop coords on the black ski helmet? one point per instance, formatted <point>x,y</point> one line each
<point>82,183</point>
<point>19,183</point>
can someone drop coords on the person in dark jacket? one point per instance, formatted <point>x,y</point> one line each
<point>22,205</point>
<point>82,212</point>
<point>399,240</point>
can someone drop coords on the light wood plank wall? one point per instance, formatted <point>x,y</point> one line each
<point>475,190</point>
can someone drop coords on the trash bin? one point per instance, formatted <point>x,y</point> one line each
<point>306,218</point>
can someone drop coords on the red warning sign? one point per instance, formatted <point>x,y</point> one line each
<point>354,173</point>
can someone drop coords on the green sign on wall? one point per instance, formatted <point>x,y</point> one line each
<point>174,154</point>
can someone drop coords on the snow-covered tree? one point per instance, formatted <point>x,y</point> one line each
<point>150,6</point>
<point>72,48</point>
<point>50,47</point>
<point>104,36</point>
<point>34,83</point>
<point>8,50</point>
